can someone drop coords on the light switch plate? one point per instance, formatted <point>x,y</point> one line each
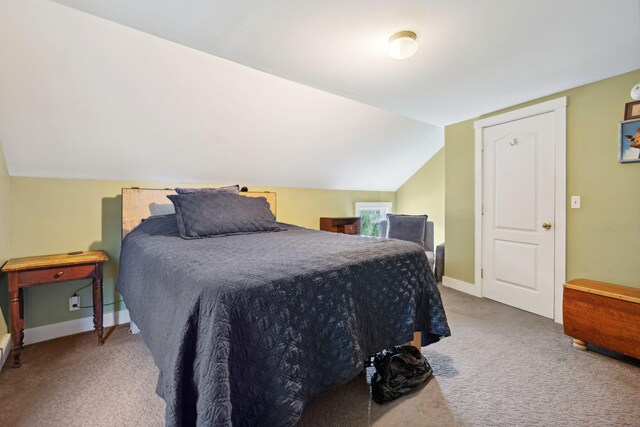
<point>575,202</point>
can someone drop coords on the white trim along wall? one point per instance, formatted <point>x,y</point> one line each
<point>559,108</point>
<point>462,286</point>
<point>5,348</point>
<point>57,330</point>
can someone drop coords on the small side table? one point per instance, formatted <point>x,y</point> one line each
<point>344,225</point>
<point>41,270</point>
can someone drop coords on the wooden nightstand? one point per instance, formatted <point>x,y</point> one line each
<point>344,225</point>
<point>41,270</point>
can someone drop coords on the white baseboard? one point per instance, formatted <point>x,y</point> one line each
<point>5,348</point>
<point>62,329</point>
<point>71,327</point>
<point>462,286</point>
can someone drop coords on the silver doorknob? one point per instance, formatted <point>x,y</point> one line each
<point>546,225</point>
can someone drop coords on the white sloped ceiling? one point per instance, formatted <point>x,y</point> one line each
<point>474,56</point>
<point>83,97</point>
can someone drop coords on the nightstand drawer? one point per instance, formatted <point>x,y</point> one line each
<point>58,274</point>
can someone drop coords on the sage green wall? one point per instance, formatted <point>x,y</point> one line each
<point>58,215</point>
<point>603,237</point>
<point>459,201</point>
<point>424,193</point>
<point>4,238</point>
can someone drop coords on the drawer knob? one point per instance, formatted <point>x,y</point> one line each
<point>58,274</point>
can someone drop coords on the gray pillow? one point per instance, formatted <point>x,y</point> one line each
<point>221,214</point>
<point>411,228</point>
<point>234,189</point>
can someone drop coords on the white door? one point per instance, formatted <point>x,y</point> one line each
<point>518,213</point>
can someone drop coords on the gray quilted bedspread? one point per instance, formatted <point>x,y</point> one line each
<point>246,329</point>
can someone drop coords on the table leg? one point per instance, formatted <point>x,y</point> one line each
<point>97,304</point>
<point>579,344</point>
<point>417,340</point>
<point>17,318</point>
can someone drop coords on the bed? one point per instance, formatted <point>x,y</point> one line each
<point>246,329</point>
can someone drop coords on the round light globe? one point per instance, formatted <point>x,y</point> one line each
<point>635,92</point>
<point>402,44</point>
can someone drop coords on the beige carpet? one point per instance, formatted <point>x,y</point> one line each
<point>501,367</point>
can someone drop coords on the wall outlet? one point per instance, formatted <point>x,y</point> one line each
<point>74,303</point>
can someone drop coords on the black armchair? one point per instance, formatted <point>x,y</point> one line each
<point>429,247</point>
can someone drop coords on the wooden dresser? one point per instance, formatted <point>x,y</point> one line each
<point>344,225</point>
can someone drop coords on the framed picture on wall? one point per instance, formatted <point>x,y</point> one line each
<point>632,110</point>
<point>629,141</point>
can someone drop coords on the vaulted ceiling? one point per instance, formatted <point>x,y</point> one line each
<point>280,93</point>
<point>474,56</point>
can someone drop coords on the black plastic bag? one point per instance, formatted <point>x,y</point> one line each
<point>399,370</point>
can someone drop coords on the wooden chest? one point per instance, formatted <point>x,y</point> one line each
<point>603,314</point>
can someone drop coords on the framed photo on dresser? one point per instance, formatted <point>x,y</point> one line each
<point>632,110</point>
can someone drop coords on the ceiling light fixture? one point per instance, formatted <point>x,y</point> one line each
<point>402,44</point>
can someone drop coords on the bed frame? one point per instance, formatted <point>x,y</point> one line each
<point>139,204</point>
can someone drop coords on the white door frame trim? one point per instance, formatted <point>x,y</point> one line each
<point>559,108</point>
